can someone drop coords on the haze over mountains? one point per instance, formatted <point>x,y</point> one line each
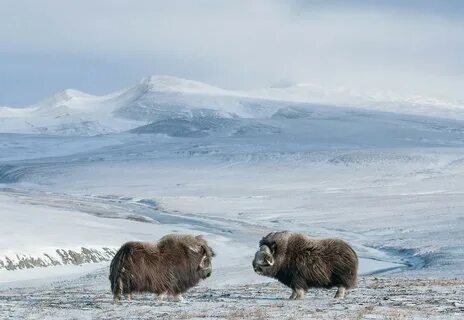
<point>163,104</point>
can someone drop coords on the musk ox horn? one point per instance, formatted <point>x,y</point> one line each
<point>265,248</point>
<point>196,249</point>
<point>203,261</point>
<point>271,263</point>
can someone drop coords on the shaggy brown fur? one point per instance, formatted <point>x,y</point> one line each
<point>169,267</point>
<point>301,262</point>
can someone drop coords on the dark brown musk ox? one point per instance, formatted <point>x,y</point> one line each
<point>170,267</point>
<point>301,262</point>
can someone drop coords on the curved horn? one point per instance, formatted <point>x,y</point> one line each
<point>271,263</point>
<point>265,248</point>
<point>196,249</point>
<point>202,262</point>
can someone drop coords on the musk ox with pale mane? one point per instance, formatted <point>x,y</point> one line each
<point>301,262</point>
<point>169,267</point>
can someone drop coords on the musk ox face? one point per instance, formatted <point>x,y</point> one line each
<point>263,261</point>
<point>205,267</point>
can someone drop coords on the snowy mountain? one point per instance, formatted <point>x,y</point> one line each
<point>370,100</point>
<point>171,101</point>
<point>159,98</point>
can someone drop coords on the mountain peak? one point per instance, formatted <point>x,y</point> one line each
<point>69,94</point>
<point>161,83</point>
<point>63,97</point>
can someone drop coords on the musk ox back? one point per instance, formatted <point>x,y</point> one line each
<point>169,267</point>
<point>301,262</point>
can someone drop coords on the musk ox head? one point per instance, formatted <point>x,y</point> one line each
<point>271,253</point>
<point>194,248</point>
<point>263,261</point>
<point>204,255</point>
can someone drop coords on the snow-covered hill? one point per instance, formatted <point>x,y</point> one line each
<point>155,98</point>
<point>173,101</point>
<point>388,101</point>
<point>68,112</point>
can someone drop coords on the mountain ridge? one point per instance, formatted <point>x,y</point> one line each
<point>160,98</point>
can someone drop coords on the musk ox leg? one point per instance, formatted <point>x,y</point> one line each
<point>297,294</point>
<point>161,296</point>
<point>293,296</point>
<point>300,293</point>
<point>340,293</point>
<point>118,291</point>
<point>117,297</point>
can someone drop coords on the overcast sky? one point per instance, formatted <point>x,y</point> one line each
<point>412,47</point>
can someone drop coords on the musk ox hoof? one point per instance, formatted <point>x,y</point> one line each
<point>178,298</point>
<point>161,297</point>
<point>297,294</point>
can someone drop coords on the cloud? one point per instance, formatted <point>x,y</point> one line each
<point>363,45</point>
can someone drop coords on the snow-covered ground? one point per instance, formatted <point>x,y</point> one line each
<point>389,183</point>
<point>87,297</point>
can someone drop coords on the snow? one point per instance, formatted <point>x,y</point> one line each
<point>240,187</point>
<point>370,100</point>
<point>87,297</point>
<point>72,112</point>
<point>181,156</point>
<point>155,98</point>
<point>173,84</point>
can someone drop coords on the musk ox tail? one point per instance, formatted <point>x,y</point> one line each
<point>116,272</point>
<point>355,268</point>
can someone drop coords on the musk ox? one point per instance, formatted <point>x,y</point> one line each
<point>301,262</point>
<point>169,267</point>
